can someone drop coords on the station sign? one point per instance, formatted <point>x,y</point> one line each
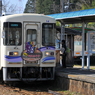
<point>92,40</point>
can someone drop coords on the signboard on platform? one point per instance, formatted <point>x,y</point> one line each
<point>92,40</point>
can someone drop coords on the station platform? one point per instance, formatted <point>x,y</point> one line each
<point>76,80</point>
<point>77,73</point>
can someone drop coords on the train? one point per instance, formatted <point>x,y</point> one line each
<point>27,47</point>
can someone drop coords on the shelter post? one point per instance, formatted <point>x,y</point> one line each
<point>83,31</point>
<point>62,31</point>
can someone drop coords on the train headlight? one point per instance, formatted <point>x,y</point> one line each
<point>49,53</point>
<point>13,53</point>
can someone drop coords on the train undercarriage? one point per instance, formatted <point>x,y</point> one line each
<point>28,73</point>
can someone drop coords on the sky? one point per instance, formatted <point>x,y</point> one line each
<point>19,3</point>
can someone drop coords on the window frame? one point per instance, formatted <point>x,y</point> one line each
<point>53,27</point>
<point>8,25</point>
<point>27,35</point>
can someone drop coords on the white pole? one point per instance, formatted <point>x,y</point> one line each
<point>88,55</point>
<point>83,31</point>
<point>62,32</point>
<point>0,7</point>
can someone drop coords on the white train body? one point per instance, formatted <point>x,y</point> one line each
<point>27,47</point>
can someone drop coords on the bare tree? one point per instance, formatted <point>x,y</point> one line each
<point>7,7</point>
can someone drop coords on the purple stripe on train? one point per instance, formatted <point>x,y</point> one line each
<point>47,48</point>
<point>48,58</point>
<point>13,58</point>
<point>19,58</point>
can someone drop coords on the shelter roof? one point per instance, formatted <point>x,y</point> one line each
<point>70,31</point>
<point>80,29</point>
<point>87,15</point>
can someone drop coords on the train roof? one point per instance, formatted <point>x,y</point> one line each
<point>27,17</point>
<point>26,14</point>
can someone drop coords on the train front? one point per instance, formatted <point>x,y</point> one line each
<point>28,55</point>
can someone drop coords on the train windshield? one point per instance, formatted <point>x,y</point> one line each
<point>12,33</point>
<point>32,36</point>
<point>48,34</point>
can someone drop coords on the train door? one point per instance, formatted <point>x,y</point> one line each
<point>32,41</point>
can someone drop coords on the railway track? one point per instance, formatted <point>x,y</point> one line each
<point>35,88</point>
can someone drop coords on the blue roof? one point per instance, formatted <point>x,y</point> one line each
<point>74,14</point>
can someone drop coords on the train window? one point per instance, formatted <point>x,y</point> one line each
<point>13,33</point>
<point>48,34</point>
<point>32,36</point>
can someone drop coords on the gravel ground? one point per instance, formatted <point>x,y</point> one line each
<point>5,90</point>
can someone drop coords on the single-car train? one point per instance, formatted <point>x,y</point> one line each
<point>27,47</point>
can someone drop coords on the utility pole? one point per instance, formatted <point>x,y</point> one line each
<point>61,6</point>
<point>0,7</point>
<point>68,6</point>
